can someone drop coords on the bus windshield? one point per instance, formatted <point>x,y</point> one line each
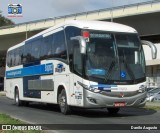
<point>115,58</point>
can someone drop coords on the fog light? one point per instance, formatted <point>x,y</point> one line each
<point>92,100</point>
<point>142,100</point>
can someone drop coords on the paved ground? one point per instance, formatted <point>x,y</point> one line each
<point>43,114</point>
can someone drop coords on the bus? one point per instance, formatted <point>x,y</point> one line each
<point>87,64</point>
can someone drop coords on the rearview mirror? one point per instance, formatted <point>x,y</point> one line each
<point>152,46</point>
<point>82,43</point>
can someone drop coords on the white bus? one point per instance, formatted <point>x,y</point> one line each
<point>89,64</point>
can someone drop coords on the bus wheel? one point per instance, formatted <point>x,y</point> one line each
<point>18,102</point>
<point>113,110</point>
<point>62,101</point>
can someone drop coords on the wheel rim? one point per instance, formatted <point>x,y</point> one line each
<point>17,97</point>
<point>62,101</point>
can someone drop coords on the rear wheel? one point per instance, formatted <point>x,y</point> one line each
<point>152,100</point>
<point>113,110</point>
<point>18,102</point>
<point>62,101</point>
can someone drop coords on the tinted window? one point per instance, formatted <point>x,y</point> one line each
<point>35,53</point>
<point>15,56</point>
<point>59,49</point>
<point>77,58</point>
<point>71,32</point>
<point>32,51</point>
<point>21,50</point>
<point>46,47</point>
<point>27,53</point>
<point>9,59</point>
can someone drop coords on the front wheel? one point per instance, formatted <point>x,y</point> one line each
<point>113,110</point>
<point>62,101</point>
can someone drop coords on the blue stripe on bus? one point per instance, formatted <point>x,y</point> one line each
<point>30,71</point>
<point>104,86</point>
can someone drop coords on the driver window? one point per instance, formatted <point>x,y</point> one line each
<point>77,59</point>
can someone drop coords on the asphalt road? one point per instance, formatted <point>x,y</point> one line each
<point>42,114</point>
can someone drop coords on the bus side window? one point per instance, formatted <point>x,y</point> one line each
<point>21,49</point>
<point>9,59</point>
<point>27,53</point>
<point>12,58</point>
<point>46,47</point>
<point>59,45</point>
<point>16,57</point>
<point>36,50</point>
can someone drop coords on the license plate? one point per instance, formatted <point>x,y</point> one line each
<point>119,104</point>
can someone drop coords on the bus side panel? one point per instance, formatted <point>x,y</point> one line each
<point>11,84</point>
<point>63,80</point>
<point>49,96</point>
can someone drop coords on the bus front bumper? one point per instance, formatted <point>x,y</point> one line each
<point>97,100</point>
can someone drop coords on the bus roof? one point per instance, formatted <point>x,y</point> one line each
<point>91,25</point>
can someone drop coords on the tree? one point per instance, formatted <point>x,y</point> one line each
<point>5,21</point>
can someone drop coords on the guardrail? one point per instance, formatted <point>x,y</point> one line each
<point>82,13</point>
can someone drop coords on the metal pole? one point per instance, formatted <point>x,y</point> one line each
<point>112,12</point>
<point>26,32</point>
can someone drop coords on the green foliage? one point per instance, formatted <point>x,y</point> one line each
<point>6,119</point>
<point>5,21</point>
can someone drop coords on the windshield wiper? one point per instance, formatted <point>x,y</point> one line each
<point>128,69</point>
<point>110,70</point>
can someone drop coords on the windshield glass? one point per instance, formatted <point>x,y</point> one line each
<point>154,90</point>
<point>115,58</point>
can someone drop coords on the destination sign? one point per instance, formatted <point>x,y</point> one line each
<point>100,35</point>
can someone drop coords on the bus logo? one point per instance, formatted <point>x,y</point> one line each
<point>123,74</point>
<point>60,68</point>
<point>14,10</point>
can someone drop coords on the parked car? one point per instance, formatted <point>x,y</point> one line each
<point>150,88</point>
<point>157,97</point>
<point>152,93</point>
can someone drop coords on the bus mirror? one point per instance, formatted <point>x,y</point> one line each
<point>152,46</point>
<point>82,43</point>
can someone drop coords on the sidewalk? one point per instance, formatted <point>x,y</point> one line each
<point>152,103</point>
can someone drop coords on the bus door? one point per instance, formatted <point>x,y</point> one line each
<point>77,76</point>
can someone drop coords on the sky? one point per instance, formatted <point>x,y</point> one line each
<point>43,9</point>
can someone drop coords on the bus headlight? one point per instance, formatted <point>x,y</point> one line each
<point>142,89</point>
<point>96,90</point>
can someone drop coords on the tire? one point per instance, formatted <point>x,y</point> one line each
<point>25,103</point>
<point>152,100</point>
<point>17,101</point>
<point>62,101</point>
<point>113,110</point>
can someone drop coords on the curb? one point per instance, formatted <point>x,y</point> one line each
<point>2,93</point>
<point>153,104</point>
